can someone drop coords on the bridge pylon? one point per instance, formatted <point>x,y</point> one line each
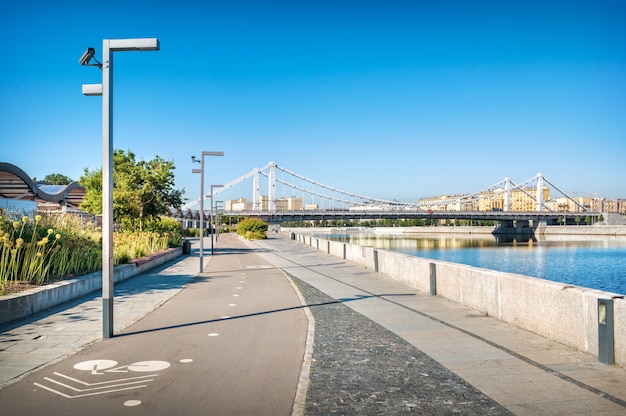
<point>539,196</point>
<point>507,194</point>
<point>271,188</point>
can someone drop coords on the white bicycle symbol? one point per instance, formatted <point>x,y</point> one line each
<point>110,366</point>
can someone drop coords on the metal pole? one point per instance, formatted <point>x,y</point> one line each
<point>211,219</point>
<point>105,90</point>
<point>211,214</point>
<point>107,190</point>
<point>201,211</point>
<point>218,221</point>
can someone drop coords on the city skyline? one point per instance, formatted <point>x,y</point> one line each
<point>394,100</point>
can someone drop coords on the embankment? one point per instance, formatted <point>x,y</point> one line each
<point>567,314</point>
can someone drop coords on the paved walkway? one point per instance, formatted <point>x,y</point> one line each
<point>523,372</point>
<point>379,347</point>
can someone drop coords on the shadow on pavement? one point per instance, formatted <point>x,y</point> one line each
<point>230,318</point>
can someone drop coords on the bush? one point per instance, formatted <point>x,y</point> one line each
<point>167,227</point>
<point>252,229</point>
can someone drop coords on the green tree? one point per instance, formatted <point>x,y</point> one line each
<point>141,190</point>
<point>57,179</point>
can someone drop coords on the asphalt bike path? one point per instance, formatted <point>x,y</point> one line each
<point>231,342</point>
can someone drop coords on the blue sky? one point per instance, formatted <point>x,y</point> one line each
<point>390,99</point>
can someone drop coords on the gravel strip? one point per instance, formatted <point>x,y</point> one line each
<point>361,368</point>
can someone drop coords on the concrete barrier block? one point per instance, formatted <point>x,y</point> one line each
<point>550,309</point>
<point>410,270</point>
<point>619,320</point>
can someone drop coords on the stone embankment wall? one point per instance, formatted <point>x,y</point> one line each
<point>567,314</point>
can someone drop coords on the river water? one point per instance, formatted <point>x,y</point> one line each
<point>597,262</point>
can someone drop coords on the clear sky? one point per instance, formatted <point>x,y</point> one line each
<point>390,99</point>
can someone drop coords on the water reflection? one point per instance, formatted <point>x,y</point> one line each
<point>597,262</point>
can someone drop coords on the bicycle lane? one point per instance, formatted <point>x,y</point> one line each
<point>231,342</point>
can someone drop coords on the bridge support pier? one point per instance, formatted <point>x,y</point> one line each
<point>522,227</point>
<point>513,227</point>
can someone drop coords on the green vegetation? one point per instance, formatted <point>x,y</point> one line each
<point>57,179</point>
<point>252,229</point>
<point>142,190</point>
<point>41,248</point>
<point>36,250</point>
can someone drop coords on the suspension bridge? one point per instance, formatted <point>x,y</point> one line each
<point>504,201</point>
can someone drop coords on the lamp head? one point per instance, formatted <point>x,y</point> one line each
<point>193,159</point>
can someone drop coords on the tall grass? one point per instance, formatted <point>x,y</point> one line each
<point>40,248</point>
<point>128,246</point>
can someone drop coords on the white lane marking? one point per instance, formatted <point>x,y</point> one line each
<point>67,386</point>
<point>186,360</point>
<point>131,403</point>
<point>213,334</point>
<point>85,395</point>
<point>148,366</point>
<point>232,304</point>
<point>104,382</point>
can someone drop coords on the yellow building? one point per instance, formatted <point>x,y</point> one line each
<point>289,204</point>
<point>238,205</point>
<point>564,204</point>
<point>521,199</point>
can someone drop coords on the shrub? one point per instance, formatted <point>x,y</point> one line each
<point>167,227</point>
<point>252,229</point>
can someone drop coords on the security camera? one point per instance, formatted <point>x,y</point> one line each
<point>89,53</point>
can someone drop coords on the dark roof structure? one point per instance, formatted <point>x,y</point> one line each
<point>17,185</point>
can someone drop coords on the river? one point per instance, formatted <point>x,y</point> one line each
<point>596,262</point>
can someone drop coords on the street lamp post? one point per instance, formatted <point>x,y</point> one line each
<point>106,91</point>
<point>217,219</point>
<point>211,214</point>
<point>201,172</point>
